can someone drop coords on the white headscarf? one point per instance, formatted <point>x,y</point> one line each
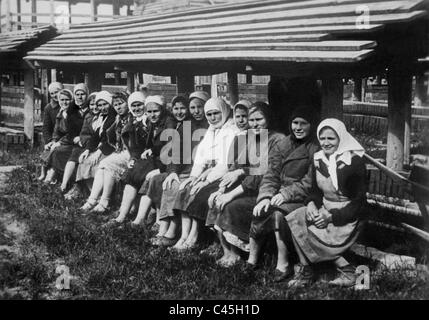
<point>137,96</point>
<point>220,105</point>
<point>348,146</point>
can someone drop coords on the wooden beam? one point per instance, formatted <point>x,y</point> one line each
<point>53,75</point>
<point>70,11</point>
<point>94,80</point>
<point>18,11</point>
<point>116,8</point>
<point>29,105</point>
<point>94,5</point>
<point>213,88</point>
<point>357,89</point>
<point>33,11</point>
<point>420,91</point>
<point>8,16</point>
<point>44,87</point>
<point>52,11</point>
<point>233,88</point>
<point>131,85</point>
<point>185,84</point>
<point>332,98</point>
<point>399,112</point>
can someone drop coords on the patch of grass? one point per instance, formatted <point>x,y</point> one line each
<point>121,264</point>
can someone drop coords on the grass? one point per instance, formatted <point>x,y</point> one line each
<point>121,264</point>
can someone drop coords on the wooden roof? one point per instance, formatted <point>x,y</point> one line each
<point>25,40</point>
<point>315,31</point>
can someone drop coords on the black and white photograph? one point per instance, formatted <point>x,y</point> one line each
<point>213,156</point>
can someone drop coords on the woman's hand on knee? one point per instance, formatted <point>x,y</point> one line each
<point>323,218</point>
<point>312,212</point>
<point>261,207</point>
<point>168,182</point>
<point>277,200</point>
<point>83,156</point>
<point>188,181</point>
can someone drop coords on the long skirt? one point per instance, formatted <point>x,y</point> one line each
<point>321,244</point>
<point>59,157</point>
<point>168,198</point>
<point>77,151</point>
<point>116,163</point>
<point>136,176</point>
<point>153,189</point>
<point>265,224</point>
<point>198,208</point>
<point>87,169</point>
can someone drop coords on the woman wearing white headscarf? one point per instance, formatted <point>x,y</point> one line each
<point>330,223</point>
<point>210,164</point>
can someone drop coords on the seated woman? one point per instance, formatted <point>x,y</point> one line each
<point>49,115</point>
<point>231,211</point>
<point>111,169</point>
<point>209,166</point>
<point>330,223</point>
<point>161,190</point>
<point>285,186</point>
<point>150,163</point>
<point>96,147</point>
<point>84,136</point>
<point>67,128</point>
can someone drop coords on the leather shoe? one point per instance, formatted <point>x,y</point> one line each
<point>280,276</point>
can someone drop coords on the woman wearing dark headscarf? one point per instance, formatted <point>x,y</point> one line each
<point>330,223</point>
<point>231,211</point>
<point>67,128</point>
<point>149,164</point>
<point>285,186</point>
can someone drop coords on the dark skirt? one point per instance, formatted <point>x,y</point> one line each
<point>76,152</point>
<point>153,189</point>
<point>263,225</point>
<point>136,176</point>
<point>235,218</point>
<point>59,157</point>
<point>198,208</point>
<point>169,197</point>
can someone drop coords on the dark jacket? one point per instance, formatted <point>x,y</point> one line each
<point>66,129</point>
<point>114,133</point>
<point>352,183</point>
<point>49,120</point>
<point>154,141</point>
<point>98,140</point>
<point>134,136</point>
<point>292,175</point>
<point>183,165</point>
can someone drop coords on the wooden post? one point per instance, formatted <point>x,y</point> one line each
<point>116,9</point>
<point>213,86</point>
<point>185,84</point>
<point>33,13</point>
<point>93,4</point>
<point>94,80</point>
<point>52,11</point>
<point>233,88</point>
<point>420,91</point>
<point>332,98</point>
<point>44,87</point>
<point>8,16</point>
<point>29,105</point>
<point>249,78</point>
<point>363,89</point>
<point>70,11</point>
<point>53,75</point>
<point>130,82</point>
<point>117,77</point>
<point>357,89</point>
<point>399,117</point>
<point>18,14</point>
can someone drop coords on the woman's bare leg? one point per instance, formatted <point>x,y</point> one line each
<point>68,173</point>
<point>186,229</point>
<point>128,197</point>
<point>42,176</point>
<point>282,252</point>
<point>97,186</point>
<point>255,249</point>
<point>50,176</point>
<point>193,234</point>
<point>172,228</point>
<point>108,185</point>
<point>144,207</point>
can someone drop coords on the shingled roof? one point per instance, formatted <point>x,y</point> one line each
<point>301,31</point>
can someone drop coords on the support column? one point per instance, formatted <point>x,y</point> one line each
<point>18,16</point>
<point>33,12</point>
<point>44,87</point>
<point>52,11</point>
<point>8,16</point>
<point>130,82</point>
<point>29,105</point>
<point>233,88</point>
<point>93,5</point>
<point>332,98</point>
<point>70,11</point>
<point>185,84</point>
<point>213,88</point>
<point>420,91</point>
<point>53,75</point>
<point>116,9</point>
<point>399,117</point>
<point>357,89</point>
<point>94,80</point>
